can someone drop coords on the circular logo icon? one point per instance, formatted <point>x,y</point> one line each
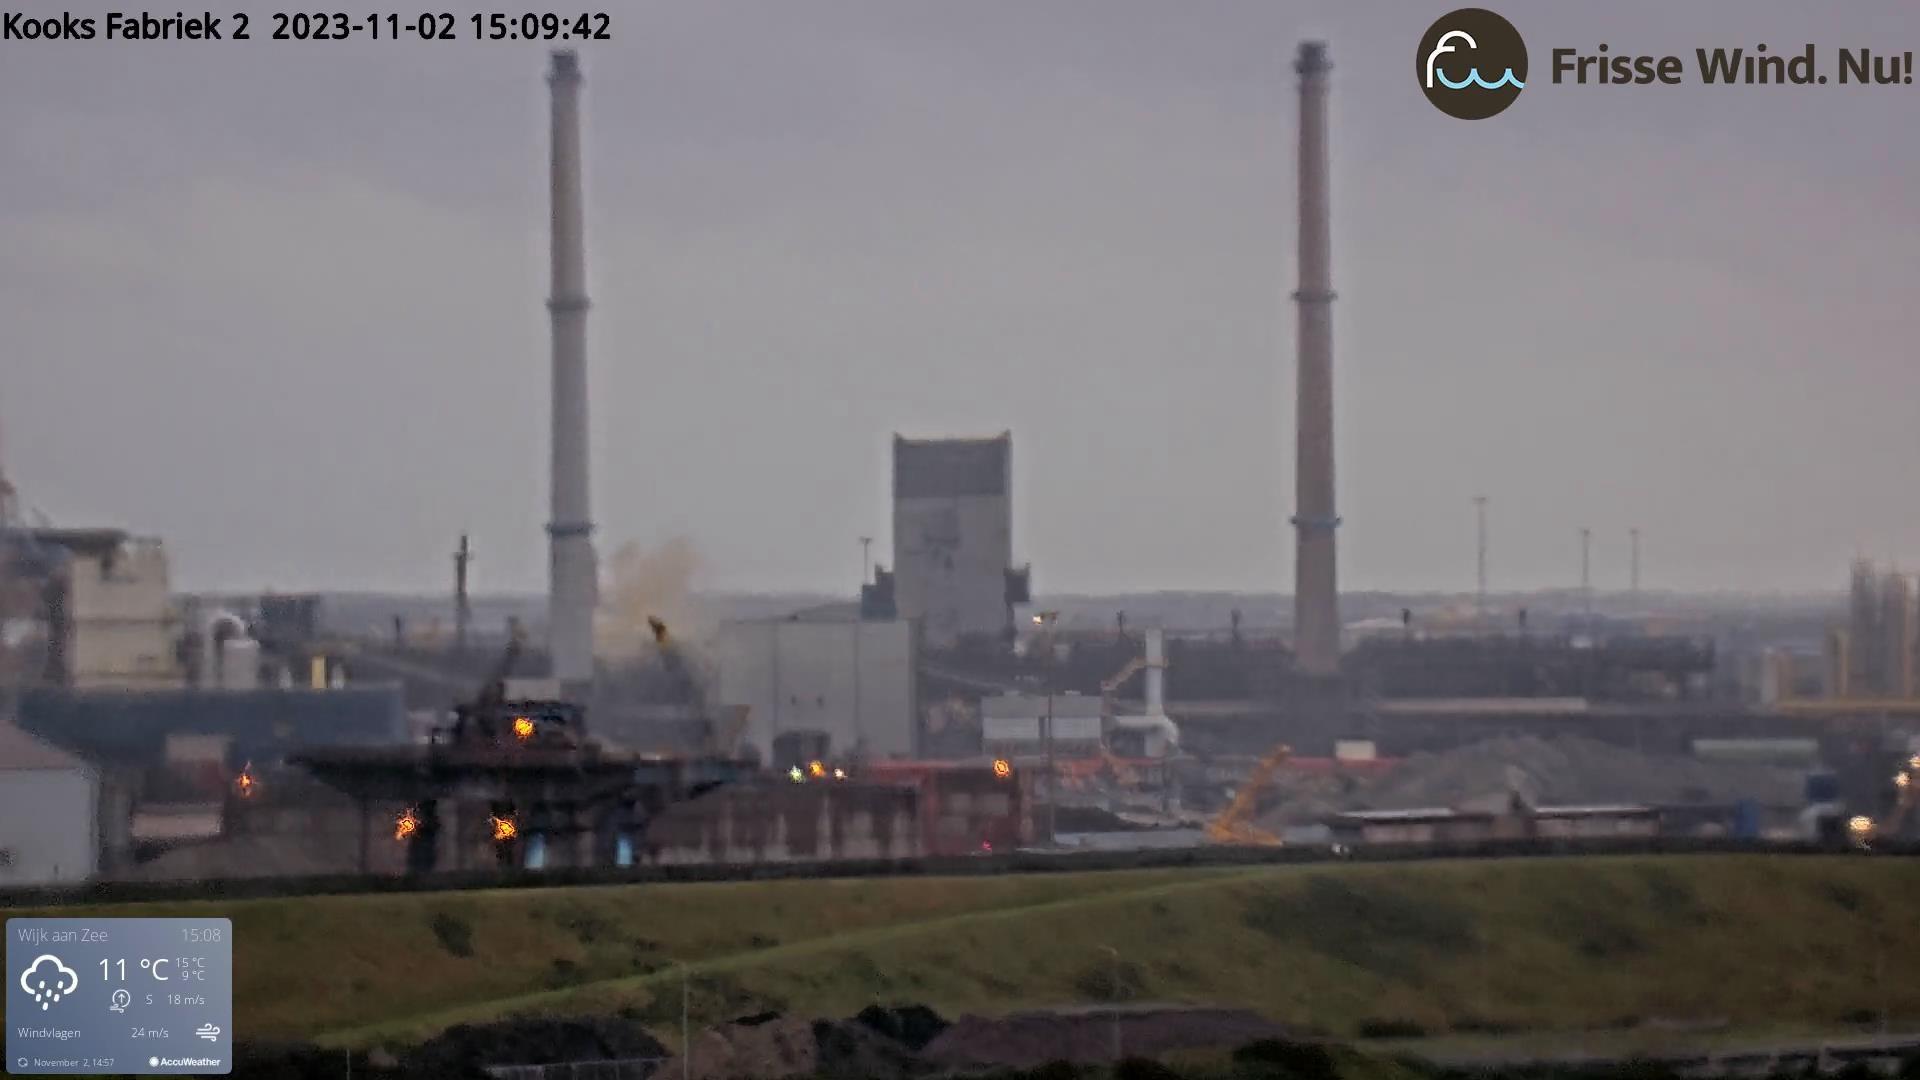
<point>1471,64</point>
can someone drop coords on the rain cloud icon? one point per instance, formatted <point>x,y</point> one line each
<point>49,980</point>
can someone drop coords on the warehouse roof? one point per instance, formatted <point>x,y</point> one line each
<point>19,750</point>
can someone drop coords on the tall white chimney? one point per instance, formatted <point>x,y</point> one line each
<point>1156,672</point>
<point>1316,597</point>
<point>573,583</point>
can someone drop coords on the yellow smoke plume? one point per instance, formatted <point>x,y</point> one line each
<point>643,584</point>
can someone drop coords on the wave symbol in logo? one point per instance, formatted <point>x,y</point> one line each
<point>1473,75</point>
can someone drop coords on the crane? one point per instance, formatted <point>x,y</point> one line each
<point>1232,825</point>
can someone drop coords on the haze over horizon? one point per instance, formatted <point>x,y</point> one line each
<point>281,304</point>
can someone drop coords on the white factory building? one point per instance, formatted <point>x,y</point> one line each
<point>49,813</point>
<point>109,621</point>
<point>827,671</point>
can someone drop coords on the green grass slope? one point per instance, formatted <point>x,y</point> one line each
<point>308,965</point>
<point>1471,946</point>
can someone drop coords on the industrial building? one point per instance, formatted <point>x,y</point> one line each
<point>1876,655</point>
<point>851,679</point>
<point>953,566</point>
<point>49,813</point>
<point>99,606</point>
<point>220,773</point>
<point>1025,724</point>
<point>774,820</point>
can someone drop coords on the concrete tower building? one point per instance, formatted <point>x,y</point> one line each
<point>1316,596</point>
<point>1897,632</point>
<point>1864,650</point>
<point>573,581</point>
<point>953,536</point>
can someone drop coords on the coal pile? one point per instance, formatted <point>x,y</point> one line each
<point>303,1061</point>
<point>912,1026</point>
<point>893,1043</point>
<point>1026,1040</point>
<point>853,1050</point>
<point>465,1049</point>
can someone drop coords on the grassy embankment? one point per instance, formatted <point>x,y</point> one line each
<point>1471,948</point>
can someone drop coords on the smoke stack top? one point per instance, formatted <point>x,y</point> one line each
<point>566,66</point>
<point>1313,59</point>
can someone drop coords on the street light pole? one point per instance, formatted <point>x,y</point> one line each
<point>1115,953</point>
<point>859,625</point>
<point>1480,595</point>
<point>686,1038</point>
<point>1053,799</point>
<point>1045,620</point>
<point>1586,576</point>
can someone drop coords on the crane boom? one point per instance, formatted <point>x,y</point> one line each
<point>1232,825</point>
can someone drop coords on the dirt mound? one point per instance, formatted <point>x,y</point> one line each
<point>768,1046</point>
<point>1024,1040</point>
<point>533,1041</point>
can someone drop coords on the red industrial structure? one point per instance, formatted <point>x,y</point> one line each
<point>965,807</point>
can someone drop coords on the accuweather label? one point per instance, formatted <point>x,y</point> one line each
<point>99,996</point>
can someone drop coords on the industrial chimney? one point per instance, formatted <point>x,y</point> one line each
<point>1316,598</point>
<point>573,586</point>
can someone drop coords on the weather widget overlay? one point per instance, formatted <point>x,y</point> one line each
<point>99,996</point>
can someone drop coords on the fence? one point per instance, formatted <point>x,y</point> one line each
<point>609,1069</point>
<point>1024,862</point>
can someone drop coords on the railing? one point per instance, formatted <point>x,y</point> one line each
<point>1018,862</point>
<point>607,1069</point>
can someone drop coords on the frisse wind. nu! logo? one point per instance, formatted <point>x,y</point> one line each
<point>1471,64</point>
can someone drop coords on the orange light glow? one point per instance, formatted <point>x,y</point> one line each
<point>405,825</point>
<point>523,728</point>
<point>504,828</point>
<point>245,784</point>
<point>1002,768</point>
<point>816,769</point>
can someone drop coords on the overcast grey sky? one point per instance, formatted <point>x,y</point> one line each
<point>281,303</point>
